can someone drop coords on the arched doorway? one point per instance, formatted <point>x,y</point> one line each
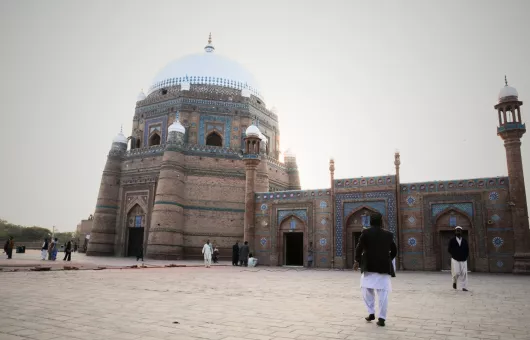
<point>154,139</point>
<point>292,240</point>
<point>446,222</point>
<point>214,139</point>
<point>354,227</point>
<point>135,230</point>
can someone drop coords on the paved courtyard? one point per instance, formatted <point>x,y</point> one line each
<point>260,303</point>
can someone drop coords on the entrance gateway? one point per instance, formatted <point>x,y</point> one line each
<point>136,241</point>
<point>294,249</point>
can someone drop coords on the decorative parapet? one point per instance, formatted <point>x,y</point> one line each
<point>224,82</point>
<point>276,163</point>
<point>457,185</point>
<point>253,110</point>
<point>211,150</point>
<point>157,107</point>
<point>251,156</point>
<point>189,149</point>
<point>291,195</point>
<point>511,126</point>
<point>145,152</point>
<point>365,181</point>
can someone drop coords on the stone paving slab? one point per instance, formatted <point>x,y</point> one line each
<point>255,303</point>
<point>31,259</point>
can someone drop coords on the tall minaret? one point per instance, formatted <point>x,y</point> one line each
<point>511,129</point>
<point>397,163</point>
<point>252,159</point>
<point>165,239</point>
<point>104,226</point>
<point>332,220</point>
<point>292,170</point>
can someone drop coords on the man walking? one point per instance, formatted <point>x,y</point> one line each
<point>68,252</point>
<point>235,254</point>
<point>44,249</point>
<point>207,252</point>
<point>10,246</point>
<point>377,250</point>
<point>459,250</point>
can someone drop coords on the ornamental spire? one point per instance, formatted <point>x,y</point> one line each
<point>209,48</point>
<point>505,81</point>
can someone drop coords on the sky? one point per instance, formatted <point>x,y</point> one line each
<point>352,80</point>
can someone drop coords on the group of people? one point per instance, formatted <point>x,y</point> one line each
<point>241,255</point>
<point>375,255</point>
<point>51,248</point>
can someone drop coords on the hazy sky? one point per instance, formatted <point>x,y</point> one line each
<point>350,79</point>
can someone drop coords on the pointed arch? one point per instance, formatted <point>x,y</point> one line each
<point>214,139</point>
<point>364,208</point>
<point>285,223</point>
<point>155,138</point>
<point>136,216</point>
<point>136,201</point>
<point>448,210</point>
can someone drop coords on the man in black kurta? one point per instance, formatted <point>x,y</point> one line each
<point>235,254</point>
<point>459,250</point>
<point>377,250</point>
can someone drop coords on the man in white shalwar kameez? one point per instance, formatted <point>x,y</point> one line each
<point>207,252</point>
<point>376,250</point>
<point>459,250</point>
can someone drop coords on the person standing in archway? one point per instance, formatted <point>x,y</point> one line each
<point>207,252</point>
<point>459,250</point>
<point>377,250</point>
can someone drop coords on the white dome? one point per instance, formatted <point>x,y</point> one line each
<point>508,91</point>
<point>120,138</point>
<point>262,137</point>
<point>141,96</point>
<point>176,126</point>
<point>206,68</point>
<point>253,131</point>
<point>289,153</point>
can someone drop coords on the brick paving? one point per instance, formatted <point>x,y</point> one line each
<point>232,303</point>
<point>31,259</point>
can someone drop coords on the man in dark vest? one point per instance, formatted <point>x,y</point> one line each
<point>243,254</point>
<point>235,254</point>
<point>459,250</point>
<point>377,250</point>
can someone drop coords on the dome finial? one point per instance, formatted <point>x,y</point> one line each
<point>505,81</point>
<point>209,48</point>
<point>121,128</point>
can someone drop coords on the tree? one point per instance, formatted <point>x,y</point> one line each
<point>29,234</point>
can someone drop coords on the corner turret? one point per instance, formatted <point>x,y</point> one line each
<point>165,240</point>
<point>103,230</point>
